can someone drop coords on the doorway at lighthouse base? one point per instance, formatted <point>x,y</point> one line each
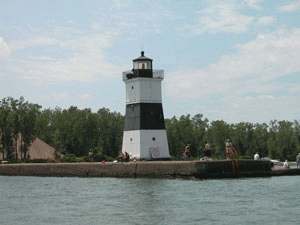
<point>146,144</point>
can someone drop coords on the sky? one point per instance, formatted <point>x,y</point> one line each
<point>231,60</point>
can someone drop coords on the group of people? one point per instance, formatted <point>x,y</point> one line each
<point>207,149</point>
<point>286,163</point>
<point>229,152</point>
<point>123,157</point>
<point>187,151</point>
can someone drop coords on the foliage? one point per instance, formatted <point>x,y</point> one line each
<point>17,117</point>
<point>185,131</point>
<point>82,159</point>
<point>69,158</point>
<point>74,132</point>
<point>29,161</point>
<point>39,161</point>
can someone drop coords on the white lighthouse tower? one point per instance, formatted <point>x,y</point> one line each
<point>144,130</point>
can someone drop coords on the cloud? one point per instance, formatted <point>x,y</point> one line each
<point>86,67</point>
<point>253,4</point>
<point>35,41</point>
<point>295,89</point>
<point>85,96</point>
<point>41,58</point>
<point>85,60</point>
<point>96,26</point>
<point>92,12</point>
<point>61,96</point>
<point>95,42</point>
<point>291,7</point>
<point>255,70</point>
<point>126,24</point>
<point>4,48</point>
<point>261,109</point>
<point>219,17</point>
<point>265,20</point>
<point>145,17</point>
<point>122,3</point>
<point>71,22</point>
<point>267,97</point>
<point>248,99</point>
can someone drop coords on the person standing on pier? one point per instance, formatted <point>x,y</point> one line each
<point>187,152</point>
<point>286,165</point>
<point>91,159</point>
<point>298,160</point>
<point>256,156</point>
<point>228,149</point>
<point>126,157</point>
<point>121,157</point>
<point>207,150</point>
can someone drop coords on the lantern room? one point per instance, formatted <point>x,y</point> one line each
<point>142,66</point>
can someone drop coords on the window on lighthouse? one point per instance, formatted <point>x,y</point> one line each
<point>143,65</point>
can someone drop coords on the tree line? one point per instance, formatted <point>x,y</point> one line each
<point>17,118</point>
<point>76,131</point>
<point>277,140</point>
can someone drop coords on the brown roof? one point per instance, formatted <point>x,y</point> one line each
<point>40,150</point>
<point>37,150</point>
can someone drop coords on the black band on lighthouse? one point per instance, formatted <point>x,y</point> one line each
<point>144,116</point>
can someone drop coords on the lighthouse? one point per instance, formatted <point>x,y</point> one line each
<point>145,135</point>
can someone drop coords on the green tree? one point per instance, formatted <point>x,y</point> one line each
<point>297,136</point>
<point>260,141</point>
<point>110,127</point>
<point>172,131</point>
<point>44,128</point>
<point>6,128</point>
<point>16,113</point>
<point>218,132</point>
<point>242,138</point>
<point>27,128</point>
<point>286,140</point>
<point>185,131</point>
<point>85,131</point>
<point>200,127</point>
<point>273,147</point>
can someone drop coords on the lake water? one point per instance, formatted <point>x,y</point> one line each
<point>50,200</point>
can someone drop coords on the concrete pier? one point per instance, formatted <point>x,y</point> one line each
<point>150,169</point>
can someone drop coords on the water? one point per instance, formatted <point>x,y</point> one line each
<point>50,200</point>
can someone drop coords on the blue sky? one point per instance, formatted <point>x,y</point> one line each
<point>231,60</point>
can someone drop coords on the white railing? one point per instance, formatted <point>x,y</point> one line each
<point>156,74</point>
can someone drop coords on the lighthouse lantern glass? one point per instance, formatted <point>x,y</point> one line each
<point>142,65</point>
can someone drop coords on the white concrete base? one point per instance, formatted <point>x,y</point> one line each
<point>146,144</point>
